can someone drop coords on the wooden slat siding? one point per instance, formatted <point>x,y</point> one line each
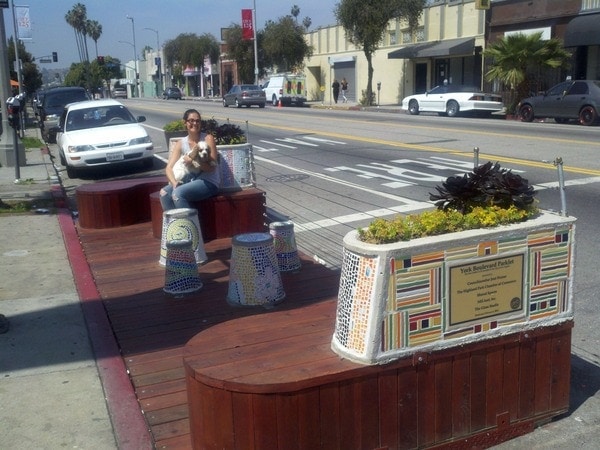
<point>389,401</point>
<point>561,370</point>
<point>494,384</point>
<point>329,401</point>
<point>461,396</point>
<point>543,374</point>
<point>443,400</point>
<point>526,376</point>
<point>408,401</point>
<point>510,393</point>
<point>425,406</point>
<point>478,374</point>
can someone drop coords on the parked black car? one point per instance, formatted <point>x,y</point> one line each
<point>172,92</point>
<point>570,100</point>
<point>53,104</point>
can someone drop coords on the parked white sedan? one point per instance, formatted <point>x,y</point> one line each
<point>452,100</point>
<point>101,132</point>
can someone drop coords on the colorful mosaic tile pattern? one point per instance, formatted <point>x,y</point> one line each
<point>254,277</point>
<point>237,167</point>
<point>414,307</point>
<point>354,301</point>
<point>178,224</point>
<point>181,272</point>
<point>284,241</point>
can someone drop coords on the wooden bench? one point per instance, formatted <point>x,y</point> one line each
<point>222,216</point>
<point>271,381</point>
<point>120,203</point>
<point>116,203</point>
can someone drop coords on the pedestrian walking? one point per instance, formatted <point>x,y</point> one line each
<point>344,90</point>
<point>336,90</point>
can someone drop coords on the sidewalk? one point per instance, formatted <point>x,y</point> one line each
<point>51,396</point>
<point>58,388</point>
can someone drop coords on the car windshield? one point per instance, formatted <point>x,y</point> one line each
<point>250,87</point>
<point>103,116</point>
<point>452,88</point>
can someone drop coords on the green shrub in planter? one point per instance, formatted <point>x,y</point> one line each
<point>225,134</point>
<point>486,197</point>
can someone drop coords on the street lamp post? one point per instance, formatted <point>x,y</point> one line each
<point>137,74</point>
<point>134,68</point>
<point>159,61</point>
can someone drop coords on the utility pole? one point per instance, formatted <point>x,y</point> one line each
<point>9,146</point>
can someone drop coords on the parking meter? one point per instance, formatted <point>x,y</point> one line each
<point>378,91</point>
<point>13,107</point>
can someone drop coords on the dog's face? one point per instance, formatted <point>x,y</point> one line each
<point>203,153</point>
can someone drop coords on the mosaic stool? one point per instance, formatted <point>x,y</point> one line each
<point>254,278</point>
<point>181,274</point>
<point>284,241</point>
<point>178,224</point>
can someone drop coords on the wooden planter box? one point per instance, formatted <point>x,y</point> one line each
<point>445,291</point>
<point>271,382</point>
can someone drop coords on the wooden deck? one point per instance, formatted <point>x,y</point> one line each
<point>151,327</point>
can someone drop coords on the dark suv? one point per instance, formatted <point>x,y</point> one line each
<point>172,92</point>
<point>53,105</point>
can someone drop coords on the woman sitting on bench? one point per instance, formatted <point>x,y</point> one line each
<point>201,180</point>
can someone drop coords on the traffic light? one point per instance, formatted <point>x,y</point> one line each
<point>100,60</point>
<point>54,57</point>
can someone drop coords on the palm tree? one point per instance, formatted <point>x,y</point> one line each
<point>94,30</point>
<point>518,60</point>
<point>77,18</point>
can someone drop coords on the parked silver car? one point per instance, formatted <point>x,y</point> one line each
<point>245,95</point>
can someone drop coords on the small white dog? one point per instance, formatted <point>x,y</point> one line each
<point>198,155</point>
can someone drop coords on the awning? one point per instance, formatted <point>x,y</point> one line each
<point>448,47</point>
<point>583,30</point>
<point>341,59</point>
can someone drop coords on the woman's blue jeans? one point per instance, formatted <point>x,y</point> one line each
<point>183,194</point>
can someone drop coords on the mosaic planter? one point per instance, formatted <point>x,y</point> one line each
<point>236,165</point>
<point>438,292</point>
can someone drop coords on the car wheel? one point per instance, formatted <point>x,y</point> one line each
<point>526,113</point>
<point>274,101</point>
<point>225,103</point>
<point>413,107</point>
<point>237,103</point>
<point>262,105</point>
<point>588,115</point>
<point>71,172</point>
<point>452,108</point>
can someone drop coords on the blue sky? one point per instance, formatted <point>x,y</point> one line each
<point>169,17</point>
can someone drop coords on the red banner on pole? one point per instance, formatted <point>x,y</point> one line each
<point>247,27</point>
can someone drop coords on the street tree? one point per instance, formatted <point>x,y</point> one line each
<point>284,45</point>
<point>189,49</point>
<point>31,76</point>
<point>77,18</point>
<point>94,30</point>
<point>518,61</point>
<point>365,23</point>
<point>242,52</point>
